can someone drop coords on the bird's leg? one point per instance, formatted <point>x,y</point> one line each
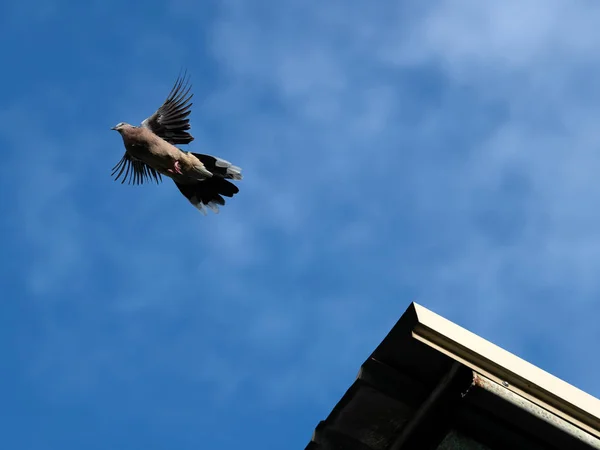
<point>176,168</point>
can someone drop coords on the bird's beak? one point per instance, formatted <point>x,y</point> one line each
<point>113,128</point>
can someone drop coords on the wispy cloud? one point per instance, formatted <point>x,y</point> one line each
<point>492,180</point>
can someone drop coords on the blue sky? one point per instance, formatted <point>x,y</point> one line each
<point>447,154</point>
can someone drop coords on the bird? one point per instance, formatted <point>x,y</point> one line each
<point>151,151</point>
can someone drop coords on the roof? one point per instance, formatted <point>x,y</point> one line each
<point>432,384</point>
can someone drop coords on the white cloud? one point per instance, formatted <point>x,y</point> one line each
<point>532,60</point>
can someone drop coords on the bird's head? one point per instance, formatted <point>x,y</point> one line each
<point>121,126</point>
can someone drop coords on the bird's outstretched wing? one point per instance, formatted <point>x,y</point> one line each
<point>134,171</point>
<point>170,121</point>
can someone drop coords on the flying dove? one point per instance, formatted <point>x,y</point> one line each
<point>150,151</point>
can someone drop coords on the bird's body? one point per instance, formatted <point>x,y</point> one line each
<point>150,152</point>
<point>163,156</point>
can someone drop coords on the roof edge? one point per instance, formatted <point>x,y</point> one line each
<point>510,370</point>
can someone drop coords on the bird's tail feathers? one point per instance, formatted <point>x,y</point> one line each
<point>220,167</point>
<point>208,193</point>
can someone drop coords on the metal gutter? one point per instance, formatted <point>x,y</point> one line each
<point>528,381</point>
<point>482,382</point>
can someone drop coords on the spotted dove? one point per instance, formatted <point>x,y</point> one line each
<point>150,151</point>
